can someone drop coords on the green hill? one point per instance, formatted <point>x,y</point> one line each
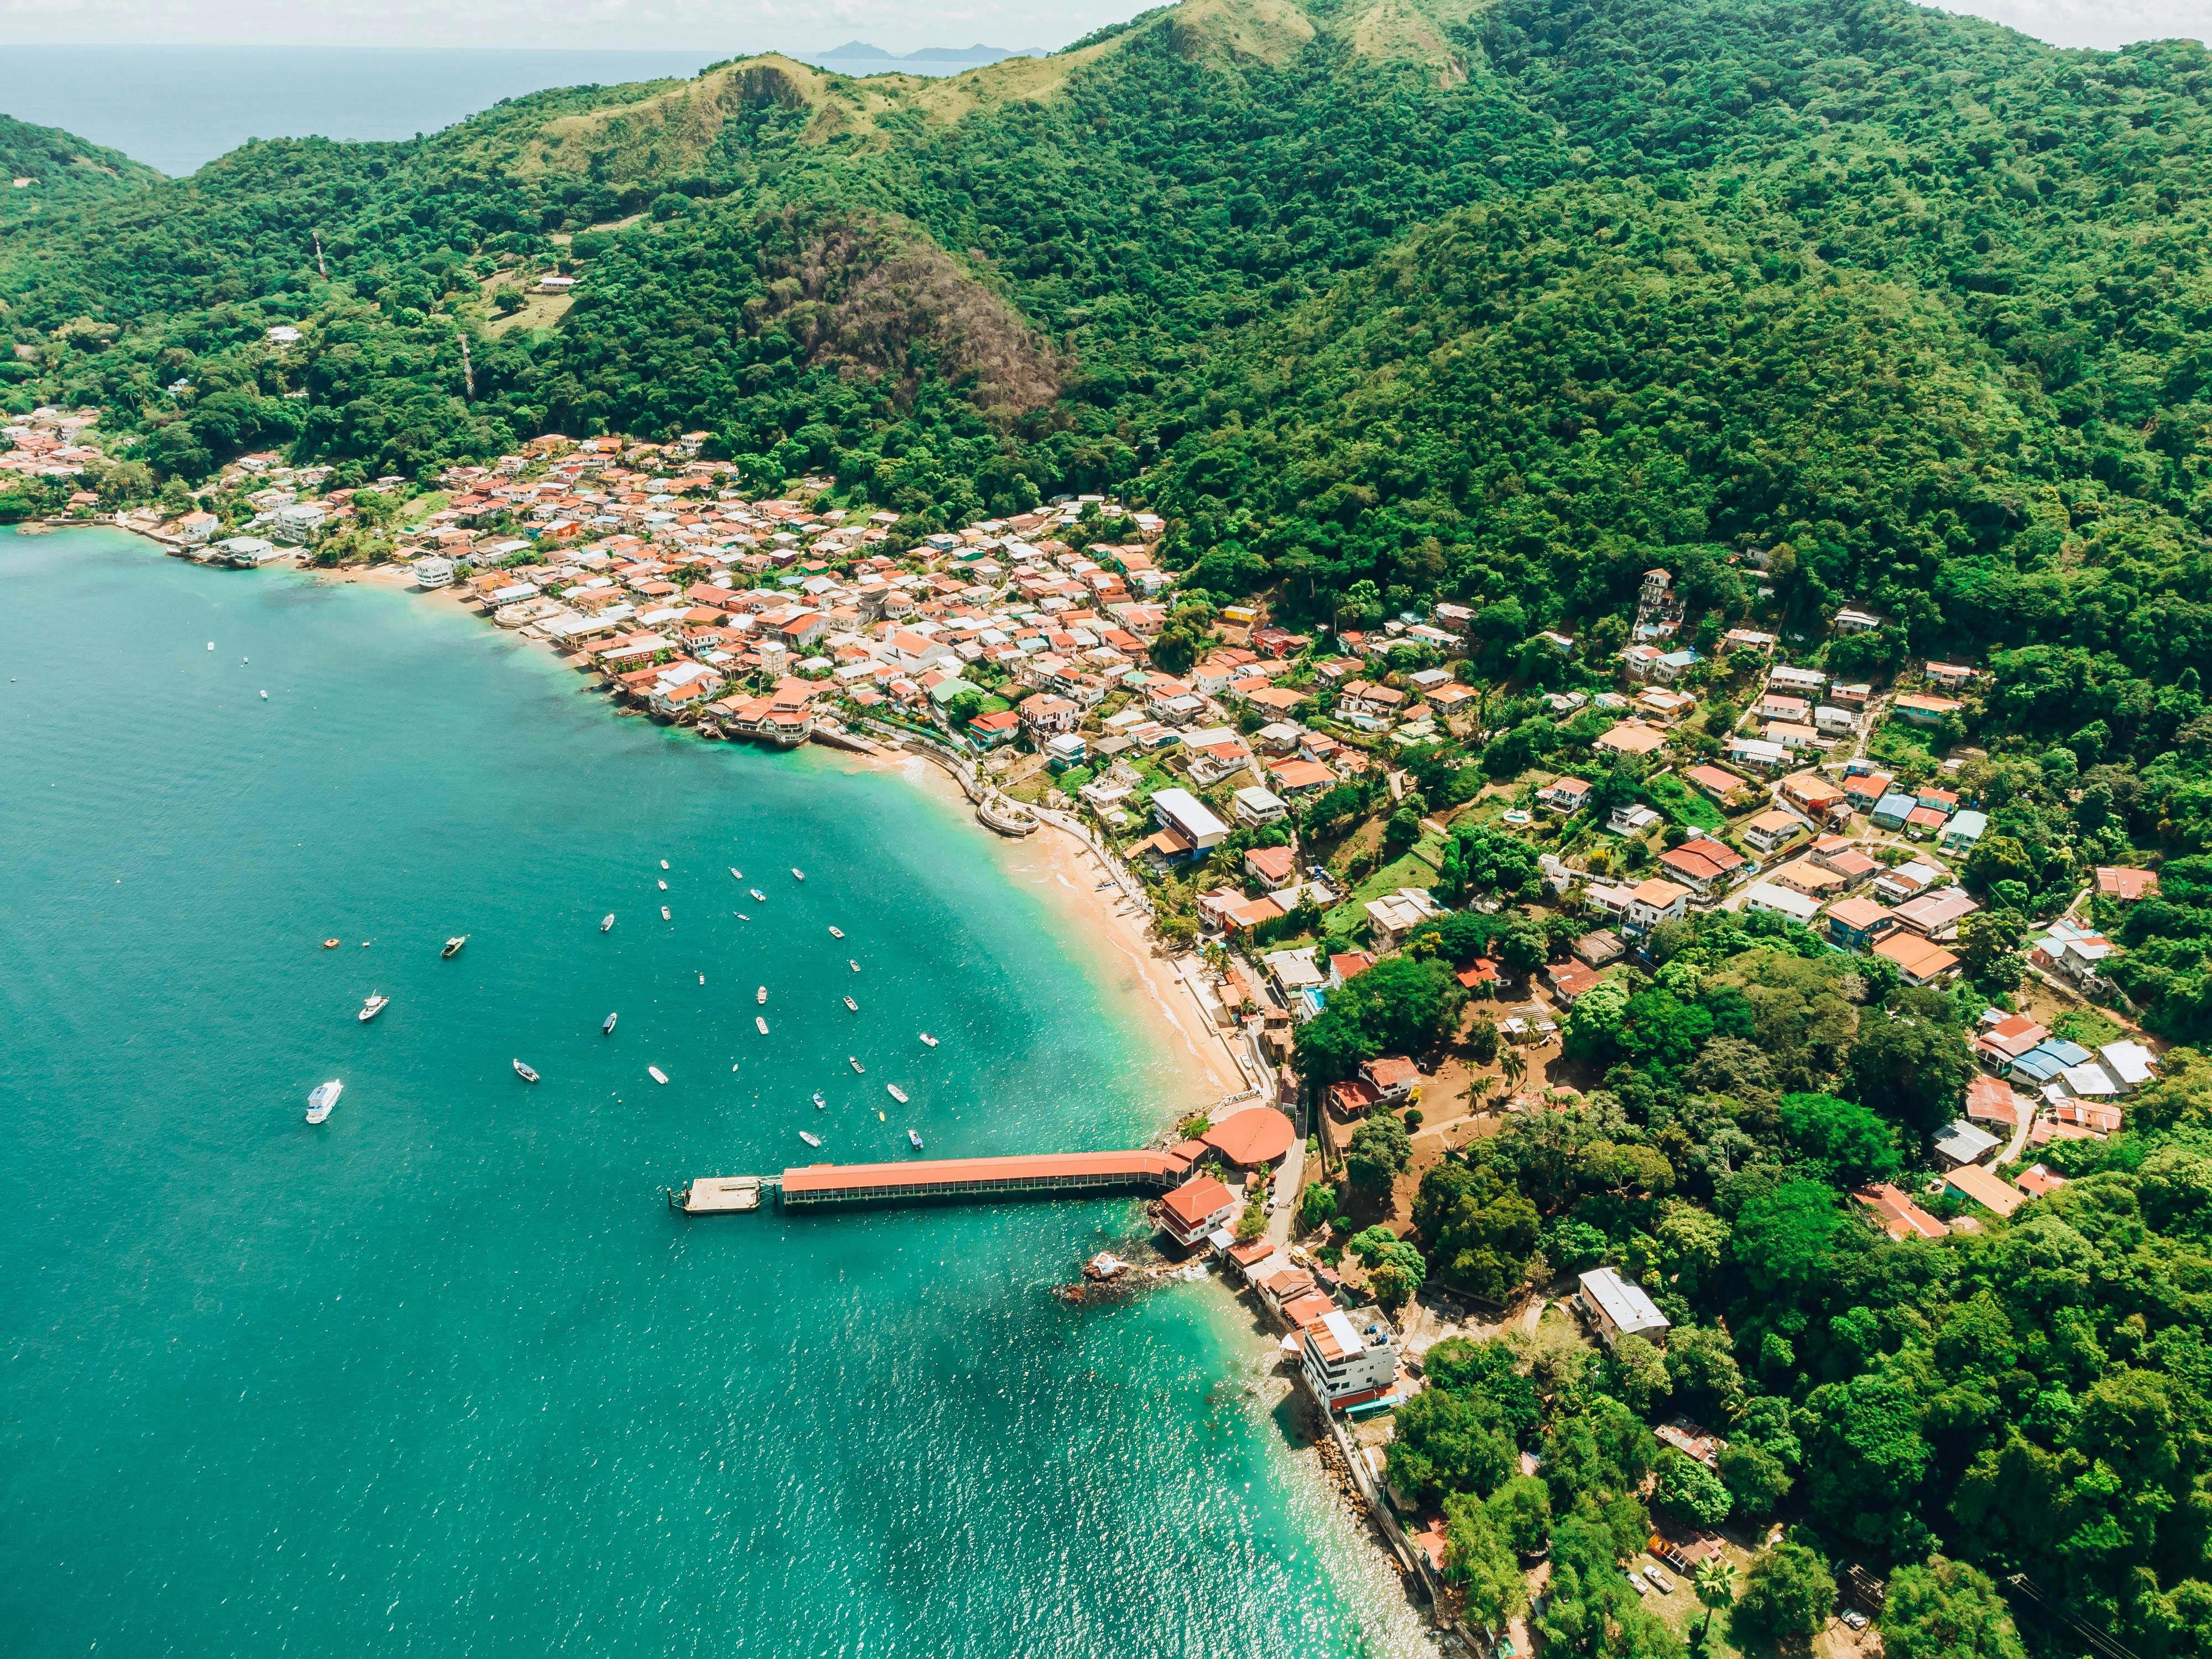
<point>44,169</point>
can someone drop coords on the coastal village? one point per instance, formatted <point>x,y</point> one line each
<point>1255,794</point>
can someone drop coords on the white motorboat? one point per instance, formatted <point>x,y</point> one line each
<point>853,1006</point>
<point>525,1072</point>
<point>656,1074</point>
<point>820,1104</point>
<point>798,874</point>
<point>761,996</point>
<point>606,921</point>
<point>664,912</point>
<point>853,965</point>
<point>928,1040</point>
<point>664,864</point>
<point>896,1092</point>
<point>914,1140</point>
<point>854,1060</point>
<point>762,1023</point>
<point>376,1004</point>
<point>836,933</point>
<point>325,1098</point>
<point>664,886</point>
<point>810,1138</point>
<point>736,874</point>
<point>608,1030</point>
<point>758,895</point>
<point>453,945</point>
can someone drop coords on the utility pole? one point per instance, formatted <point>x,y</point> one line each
<point>321,270</point>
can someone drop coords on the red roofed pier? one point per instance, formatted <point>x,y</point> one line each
<point>978,1177</point>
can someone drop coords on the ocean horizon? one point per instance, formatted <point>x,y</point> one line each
<point>178,108</point>
<point>446,1373</point>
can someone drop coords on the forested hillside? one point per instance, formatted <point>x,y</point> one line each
<point>43,170</point>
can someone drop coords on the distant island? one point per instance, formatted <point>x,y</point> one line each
<point>979,53</point>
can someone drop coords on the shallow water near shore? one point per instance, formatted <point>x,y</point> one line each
<point>444,1375</point>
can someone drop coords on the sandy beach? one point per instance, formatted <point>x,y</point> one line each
<point>1065,874</point>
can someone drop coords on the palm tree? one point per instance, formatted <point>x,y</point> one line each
<point>1478,1090</point>
<point>1514,1065</point>
<point>1714,1584</point>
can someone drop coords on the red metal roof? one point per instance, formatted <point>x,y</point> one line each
<point>954,1171</point>
<point>1258,1134</point>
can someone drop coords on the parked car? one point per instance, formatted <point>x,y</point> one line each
<point>1854,1619</point>
<point>1666,1585</point>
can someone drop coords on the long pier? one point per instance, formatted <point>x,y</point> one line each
<point>818,1185</point>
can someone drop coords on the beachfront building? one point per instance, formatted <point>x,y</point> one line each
<point>1194,1209</point>
<point>1617,1308</point>
<point>1190,817</point>
<point>1346,1364</point>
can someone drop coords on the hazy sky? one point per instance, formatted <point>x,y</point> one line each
<point>734,27</point>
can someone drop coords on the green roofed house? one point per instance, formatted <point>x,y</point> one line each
<point>1960,834</point>
<point>992,730</point>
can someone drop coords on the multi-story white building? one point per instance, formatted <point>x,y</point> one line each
<point>1344,1365</point>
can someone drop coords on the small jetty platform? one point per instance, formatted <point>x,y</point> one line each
<point>721,1195</point>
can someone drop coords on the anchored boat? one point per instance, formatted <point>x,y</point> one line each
<point>852,1005</point>
<point>798,874</point>
<point>914,1140</point>
<point>819,1103</point>
<point>761,996</point>
<point>854,1060</point>
<point>809,1139</point>
<point>606,921</point>
<point>853,965</point>
<point>656,1074</point>
<point>324,1099</point>
<point>664,912</point>
<point>525,1072</point>
<point>374,1006</point>
<point>836,933</point>
<point>762,1023</point>
<point>896,1092</point>
<point>453,945</point>
<point>757,893</point>
<point>929,1040</point>
<point>608,1030</point>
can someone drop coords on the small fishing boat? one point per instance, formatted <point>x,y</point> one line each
<point>608,1030</point>
<point>896,1092</point>
<point>664,912</point>
<point>210,645</point>
<point>656,1074</point>
<point>761,996</point>
<point>376,1005</point>
<point>702,979</point>
<point>819,1103</point>
<point>853,1006</point>
<point>329,944</point>
<point>741,916</point>
<point>854,1060</point>
<point>264,697</point>
<point>880,1118</point>
<point>928,1040</point>
<point>664,886</point>
<point>798,874</point>
<point>525,1072</point>
<point>759,897</point>
<point>836,933</point>
<point>736,874</point>
<point>664,864</point>
<point>453,945</point>
<point>762,1023</point>
<point>914,1141</point>
<point>606,921</point>
<point>324,1099</point>
<point>809,1139</point>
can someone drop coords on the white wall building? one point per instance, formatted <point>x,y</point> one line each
<point>1188,816</point>
<point>1344,1365</point>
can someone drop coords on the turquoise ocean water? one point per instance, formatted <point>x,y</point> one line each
<point>444,1376</point>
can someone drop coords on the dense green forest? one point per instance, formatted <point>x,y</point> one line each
<point>2034,1398</point>
<point>44,172</point>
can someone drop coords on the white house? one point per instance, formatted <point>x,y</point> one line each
<point>1188,816</point>
<point>1344,1365</point>
<point>1256,806</point>
<point>1651,903</point>
<point>1619,1308</point>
